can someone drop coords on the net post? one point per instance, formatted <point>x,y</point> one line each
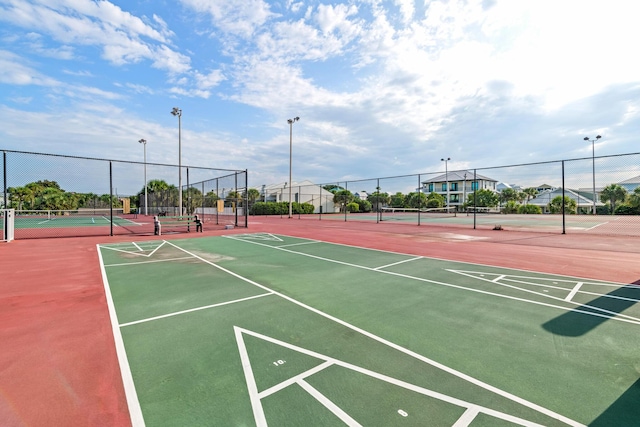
<point>8,224</point>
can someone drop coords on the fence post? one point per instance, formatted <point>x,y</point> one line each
<point>111,197</point>
<point>419,198</point>
<point>4,179</point>
<point>475,197</point>
<point>563,211</point>
<point>378,211</point>
<point>246,186</point>
<point>188,194</point>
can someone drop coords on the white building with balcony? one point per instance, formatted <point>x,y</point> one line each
<point>457,185</point>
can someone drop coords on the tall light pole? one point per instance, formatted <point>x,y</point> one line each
<point>178,112</point>
<point>446,177</point>
<point>593,172</point>
<point>291,121</point>
<point>144,143</point>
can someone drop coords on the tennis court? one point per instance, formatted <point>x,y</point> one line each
<point>262,328</point>
<point>39,219</point>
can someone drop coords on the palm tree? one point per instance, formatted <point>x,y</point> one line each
<point>613,193</point>
<point>530,193</point>
<point>570,205</point>
<point>634,198</point>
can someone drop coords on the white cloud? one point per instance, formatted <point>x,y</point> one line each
<point>241,18</point>
<point>14,71</point>
<point>82,22</point>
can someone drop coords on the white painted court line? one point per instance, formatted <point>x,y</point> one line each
<point>608,314</point>
<point>298,244</point>
<point>252,387</point>
<point>284,384</point>
<point>396,263</point>
<point>332,361</point>
<point>617,316</point>
<point>468,417</point>
<point>191,310</point>
<point>124,264</point>
<point>573,292</point>
<point>136,245</point>
<point>135,412</point>
<point>413,354</point>
<point>335,409</point>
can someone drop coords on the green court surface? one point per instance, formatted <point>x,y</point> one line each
<point>62,221</point>
<point>262,329</point>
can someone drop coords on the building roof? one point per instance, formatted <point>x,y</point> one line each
<point>634,180</point>
<point>582,198</point>
<point>458,176</point>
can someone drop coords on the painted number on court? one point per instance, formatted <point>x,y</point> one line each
<point>279,362</point>
<point>403,413</point>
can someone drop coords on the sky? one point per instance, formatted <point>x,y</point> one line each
<point>382,88</point>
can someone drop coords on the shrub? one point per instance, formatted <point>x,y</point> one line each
<point>353,207</point>
<point>280,208</point>
<point>529,209</point>
<point>627,210</point>
<point>510,207</point>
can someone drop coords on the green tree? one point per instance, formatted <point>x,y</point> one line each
<point>363,205</point>
<point>253,195</point>
<point>397,200</point>
<point>484,198</point>
<point>156,185</point>
<point>435,200</point>
<point>511,207</point>
<point>570,205</point>
<point>210,199</point>
<point>20,197</point>
<point>530,193</point>
<point>634,198</point>
<point>378,199</point>
<point>192,199</point>
<point>353,207</point>
<point>416,200</point>
<point>529,209</point>
<point>508,195</point>
<point>613,193</point>
<point>342,198</point>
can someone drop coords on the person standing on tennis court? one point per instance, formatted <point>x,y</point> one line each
<point>198,222</point>
<point>156,225</point>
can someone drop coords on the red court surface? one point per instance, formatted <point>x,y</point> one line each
<point>58,364</point>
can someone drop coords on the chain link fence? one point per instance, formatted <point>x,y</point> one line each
<point>596,195</point>
<point>65,196</point>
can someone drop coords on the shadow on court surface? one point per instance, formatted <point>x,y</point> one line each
<point>579,321</point>
<point>621,412</point>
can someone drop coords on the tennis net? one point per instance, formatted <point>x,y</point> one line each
<point>390,213</point>
<point>51,214</point>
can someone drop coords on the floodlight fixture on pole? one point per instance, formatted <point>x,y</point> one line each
<point>144,143</point>
<point>178,112</point>
<point>593,163</point>
<point>446,177</point>
<point>291,121</point>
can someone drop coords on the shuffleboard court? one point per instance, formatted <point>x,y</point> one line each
<point>264,329</point>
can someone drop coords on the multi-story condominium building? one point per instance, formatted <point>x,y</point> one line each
<point>456,185</point>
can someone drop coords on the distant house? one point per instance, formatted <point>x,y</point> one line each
<point>503,185</point>
<point>457,185</point>
<point>545,187</point>
<point>630,184</point>
<point>301,192</point>
<point>584,200</point>
<point>362,195</point>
